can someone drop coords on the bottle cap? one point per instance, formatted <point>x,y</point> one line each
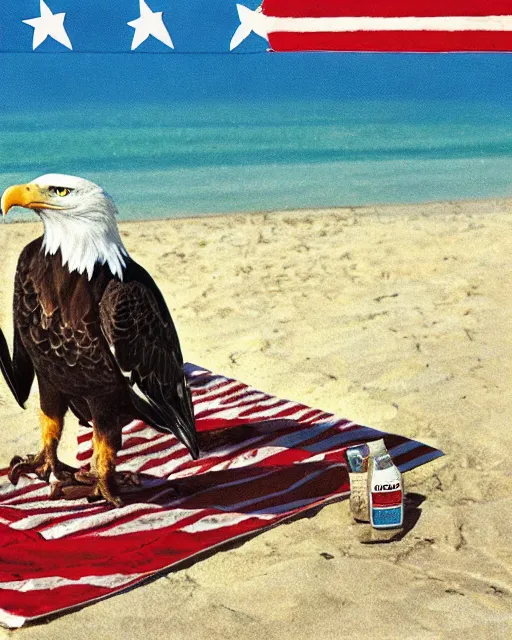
<point>377,447</point>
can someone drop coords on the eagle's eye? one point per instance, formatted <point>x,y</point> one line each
<point>59,191</point>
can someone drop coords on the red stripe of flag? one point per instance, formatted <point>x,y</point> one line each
<point>389,8</point>
<point>387,41</point>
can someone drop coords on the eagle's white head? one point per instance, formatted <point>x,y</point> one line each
<point>79,220</point>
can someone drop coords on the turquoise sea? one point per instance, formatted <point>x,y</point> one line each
<point>207,158</point>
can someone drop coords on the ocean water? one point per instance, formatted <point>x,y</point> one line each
<point>161,161</point>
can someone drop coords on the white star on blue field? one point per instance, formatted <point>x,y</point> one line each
<point>149,23</point>
<point>151,26</point>
<point>48,25</point>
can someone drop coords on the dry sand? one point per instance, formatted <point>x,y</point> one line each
<point>395,316</point>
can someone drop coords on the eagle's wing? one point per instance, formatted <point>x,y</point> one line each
<point>145,345</point>
<point>18,372</point>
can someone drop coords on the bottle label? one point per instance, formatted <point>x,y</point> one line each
<point>387,498</point>
<point>385,494</point>
<point>387,518</point>
<point>387,487</point>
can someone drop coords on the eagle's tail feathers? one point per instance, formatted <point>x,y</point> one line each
<point>165,418</point>
<point>7,369</point>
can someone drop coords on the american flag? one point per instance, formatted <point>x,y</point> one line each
<point>390,25</point>
<point>220,26</point>
<point>264,460</point>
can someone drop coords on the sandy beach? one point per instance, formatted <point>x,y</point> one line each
<point>397,317</point>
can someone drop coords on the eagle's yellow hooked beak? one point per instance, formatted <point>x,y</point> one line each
<point>30,196</point>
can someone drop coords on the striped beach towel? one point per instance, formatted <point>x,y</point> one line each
<point>264,460</point>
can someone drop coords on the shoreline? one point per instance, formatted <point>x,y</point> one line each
<point>370,209</point>
<point>395,316</point>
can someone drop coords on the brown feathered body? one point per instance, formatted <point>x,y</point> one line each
<point>104,347</point>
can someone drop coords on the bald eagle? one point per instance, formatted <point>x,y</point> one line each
<point>93,327</point>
